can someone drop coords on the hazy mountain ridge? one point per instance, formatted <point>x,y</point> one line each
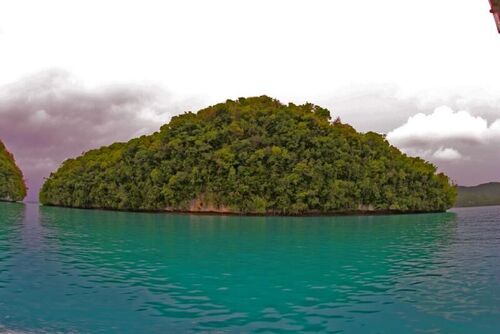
<point>480,195</point>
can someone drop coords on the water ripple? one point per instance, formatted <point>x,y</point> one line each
<point>77,271</point>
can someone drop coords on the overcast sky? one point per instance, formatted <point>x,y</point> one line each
<point>75,75</point>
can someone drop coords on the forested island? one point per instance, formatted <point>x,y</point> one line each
<point>480,195</point>
<point>12,186</point>
<point>252,156</point>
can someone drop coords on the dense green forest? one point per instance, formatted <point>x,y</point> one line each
<point>253,155</point>
<point>481,195</point>
<point>12,187</point>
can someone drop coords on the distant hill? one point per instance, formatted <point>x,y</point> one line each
<point>480,195</point>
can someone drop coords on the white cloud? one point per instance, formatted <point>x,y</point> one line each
<point>447,154</point>
<point>463,145</point>
<point>444,126</point>
<point>40,115</point>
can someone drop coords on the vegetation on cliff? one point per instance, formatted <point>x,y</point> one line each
<point>12,187</point>
<point>480,195</point>
<point>253,155</point>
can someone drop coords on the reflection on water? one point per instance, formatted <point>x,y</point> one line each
<point>96,271</point>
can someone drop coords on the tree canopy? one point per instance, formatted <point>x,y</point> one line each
<point>12,187</point>
<point>253,155</point>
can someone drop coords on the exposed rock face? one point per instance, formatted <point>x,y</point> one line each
<point>201,204</point>
<point>198,205</point>
<point>366,207</point>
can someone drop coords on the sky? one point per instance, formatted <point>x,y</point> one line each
<point>76,75</point>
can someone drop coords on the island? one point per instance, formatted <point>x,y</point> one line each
<point>12,185</point>
<point>485,194</point>
<point>252,156</point>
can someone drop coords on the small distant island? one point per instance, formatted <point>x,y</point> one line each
<point>252,156</point>
<point>12,186</point>
<point>481,195</point>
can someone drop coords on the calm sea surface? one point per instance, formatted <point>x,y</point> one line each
<point>79,271</point>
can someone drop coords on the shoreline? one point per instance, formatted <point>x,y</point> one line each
<point>4,200</point>
<point>268,214</point>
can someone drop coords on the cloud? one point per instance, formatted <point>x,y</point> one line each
<point>444,125</point>
<point>460,143</point>
<point>371,107</point>
<point>447,154</point>
<point>50,116</point>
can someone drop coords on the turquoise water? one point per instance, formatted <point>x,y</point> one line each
<point>78,271</point>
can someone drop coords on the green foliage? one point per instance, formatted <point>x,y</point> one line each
<point>253,155</point>
<point>12,187</point>
<point>481,195</point>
